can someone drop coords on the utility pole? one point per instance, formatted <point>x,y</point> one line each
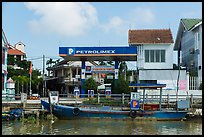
<point>43,75</point>
<point>125,70</point>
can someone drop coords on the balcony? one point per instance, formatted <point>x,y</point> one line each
<point>66,80</point>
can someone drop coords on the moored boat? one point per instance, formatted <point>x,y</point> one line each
<point>70,112</point>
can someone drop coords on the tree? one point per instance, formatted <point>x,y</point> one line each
<point>110,63</point>
<point>102,63</point>
<point>122,68</point>
<point>120,86</point>
<point>90,84</point>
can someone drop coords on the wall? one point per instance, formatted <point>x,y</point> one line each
<point>168,64</point>
<point>168,77</point>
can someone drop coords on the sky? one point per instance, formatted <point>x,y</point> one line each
<point>44,27</point>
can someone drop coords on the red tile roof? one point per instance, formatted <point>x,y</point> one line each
<point>150,36</point>
<point>15,52</point>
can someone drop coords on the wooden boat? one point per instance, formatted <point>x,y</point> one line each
<point>70,112</point>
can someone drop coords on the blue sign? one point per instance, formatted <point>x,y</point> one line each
<point>76,93</point>
<point>71,51</point>
<point>88,69</point>
<point>135,104</point>
<point>91,93</point>
<point>108,93</point>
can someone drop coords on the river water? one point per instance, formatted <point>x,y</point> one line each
<point>102,127</point>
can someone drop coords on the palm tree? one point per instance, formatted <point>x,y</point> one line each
<point>123,68</point>
<point>110,63</point>
<point>49,62</point>
<point>102,63</point>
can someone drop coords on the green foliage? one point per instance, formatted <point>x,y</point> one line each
<point>110,63</point>
<point>90,84</point>
<point>22,76</point>
<point>102,63</point>
<point>120,86</point>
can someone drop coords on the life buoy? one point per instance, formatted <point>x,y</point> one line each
<point>133,113</point>
<point>76,111</point>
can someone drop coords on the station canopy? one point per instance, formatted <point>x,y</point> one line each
<point>98,53</point>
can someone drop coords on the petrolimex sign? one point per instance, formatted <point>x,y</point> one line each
<point>77,51</point>
<point>73,51</point>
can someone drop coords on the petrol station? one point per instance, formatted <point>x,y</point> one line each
<point>84,54</point>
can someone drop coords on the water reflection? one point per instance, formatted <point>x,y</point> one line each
<point>102,127</point>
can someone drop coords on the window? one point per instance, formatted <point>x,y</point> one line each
<point>151,55</point>
<point>154,55</point>
<point>157,55</point>
<point>146,55</point>
<point>162,55</point>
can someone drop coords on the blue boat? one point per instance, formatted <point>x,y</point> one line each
<point>70,112</point>
<point>135,112</point>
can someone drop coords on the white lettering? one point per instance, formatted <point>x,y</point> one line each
<point>95,52</point>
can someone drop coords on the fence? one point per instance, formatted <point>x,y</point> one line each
<point>121,99</point>
<point>193,83</point>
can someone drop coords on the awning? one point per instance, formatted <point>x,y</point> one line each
<point>147,85</point>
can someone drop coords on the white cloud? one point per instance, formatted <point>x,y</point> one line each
<point>141,16</point>
<point>115,24</point>
<point>137,18</point>
<point>65,18</point>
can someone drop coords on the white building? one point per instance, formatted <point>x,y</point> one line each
<point>4,62</point>
<point>155,57</point>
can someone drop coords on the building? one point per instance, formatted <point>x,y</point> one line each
<point>188,43</point>
<point>4,61</point>
<point>155,57</point>
<point>16,53</point>
<point>66,75</point>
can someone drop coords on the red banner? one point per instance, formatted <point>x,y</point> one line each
<point>31,69</point>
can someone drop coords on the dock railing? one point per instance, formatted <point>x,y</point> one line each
<point>168,100</point>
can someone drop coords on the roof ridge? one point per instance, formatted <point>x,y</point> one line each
<point>151,29</point>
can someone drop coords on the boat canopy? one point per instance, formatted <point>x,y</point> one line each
<point>147,85</point>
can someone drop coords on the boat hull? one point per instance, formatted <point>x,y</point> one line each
<point>69,112</point>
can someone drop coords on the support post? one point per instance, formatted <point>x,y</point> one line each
<point>167,100</point>
<point>160,99</point>
<point>116,69</point>
<point>123,98</point>
<point>143,99</point>
<point>98,98</point>
<point>82,78</point>
<point>191,101</point>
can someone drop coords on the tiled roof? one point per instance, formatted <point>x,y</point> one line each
<point>15,52</point>
<point>190,23</point>
<point>150,36</point>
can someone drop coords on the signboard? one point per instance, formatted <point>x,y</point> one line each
<point>105,51</point>
<point>76,92</point>
<point>108,93</point>
<point>182,84</point>
<point>91,93</point>
<point>135,100</point>
<point>135,96</point>
<point>88,69</point>
<point>135,104</point>
<point>103,69</point>
<point>109,76</point>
